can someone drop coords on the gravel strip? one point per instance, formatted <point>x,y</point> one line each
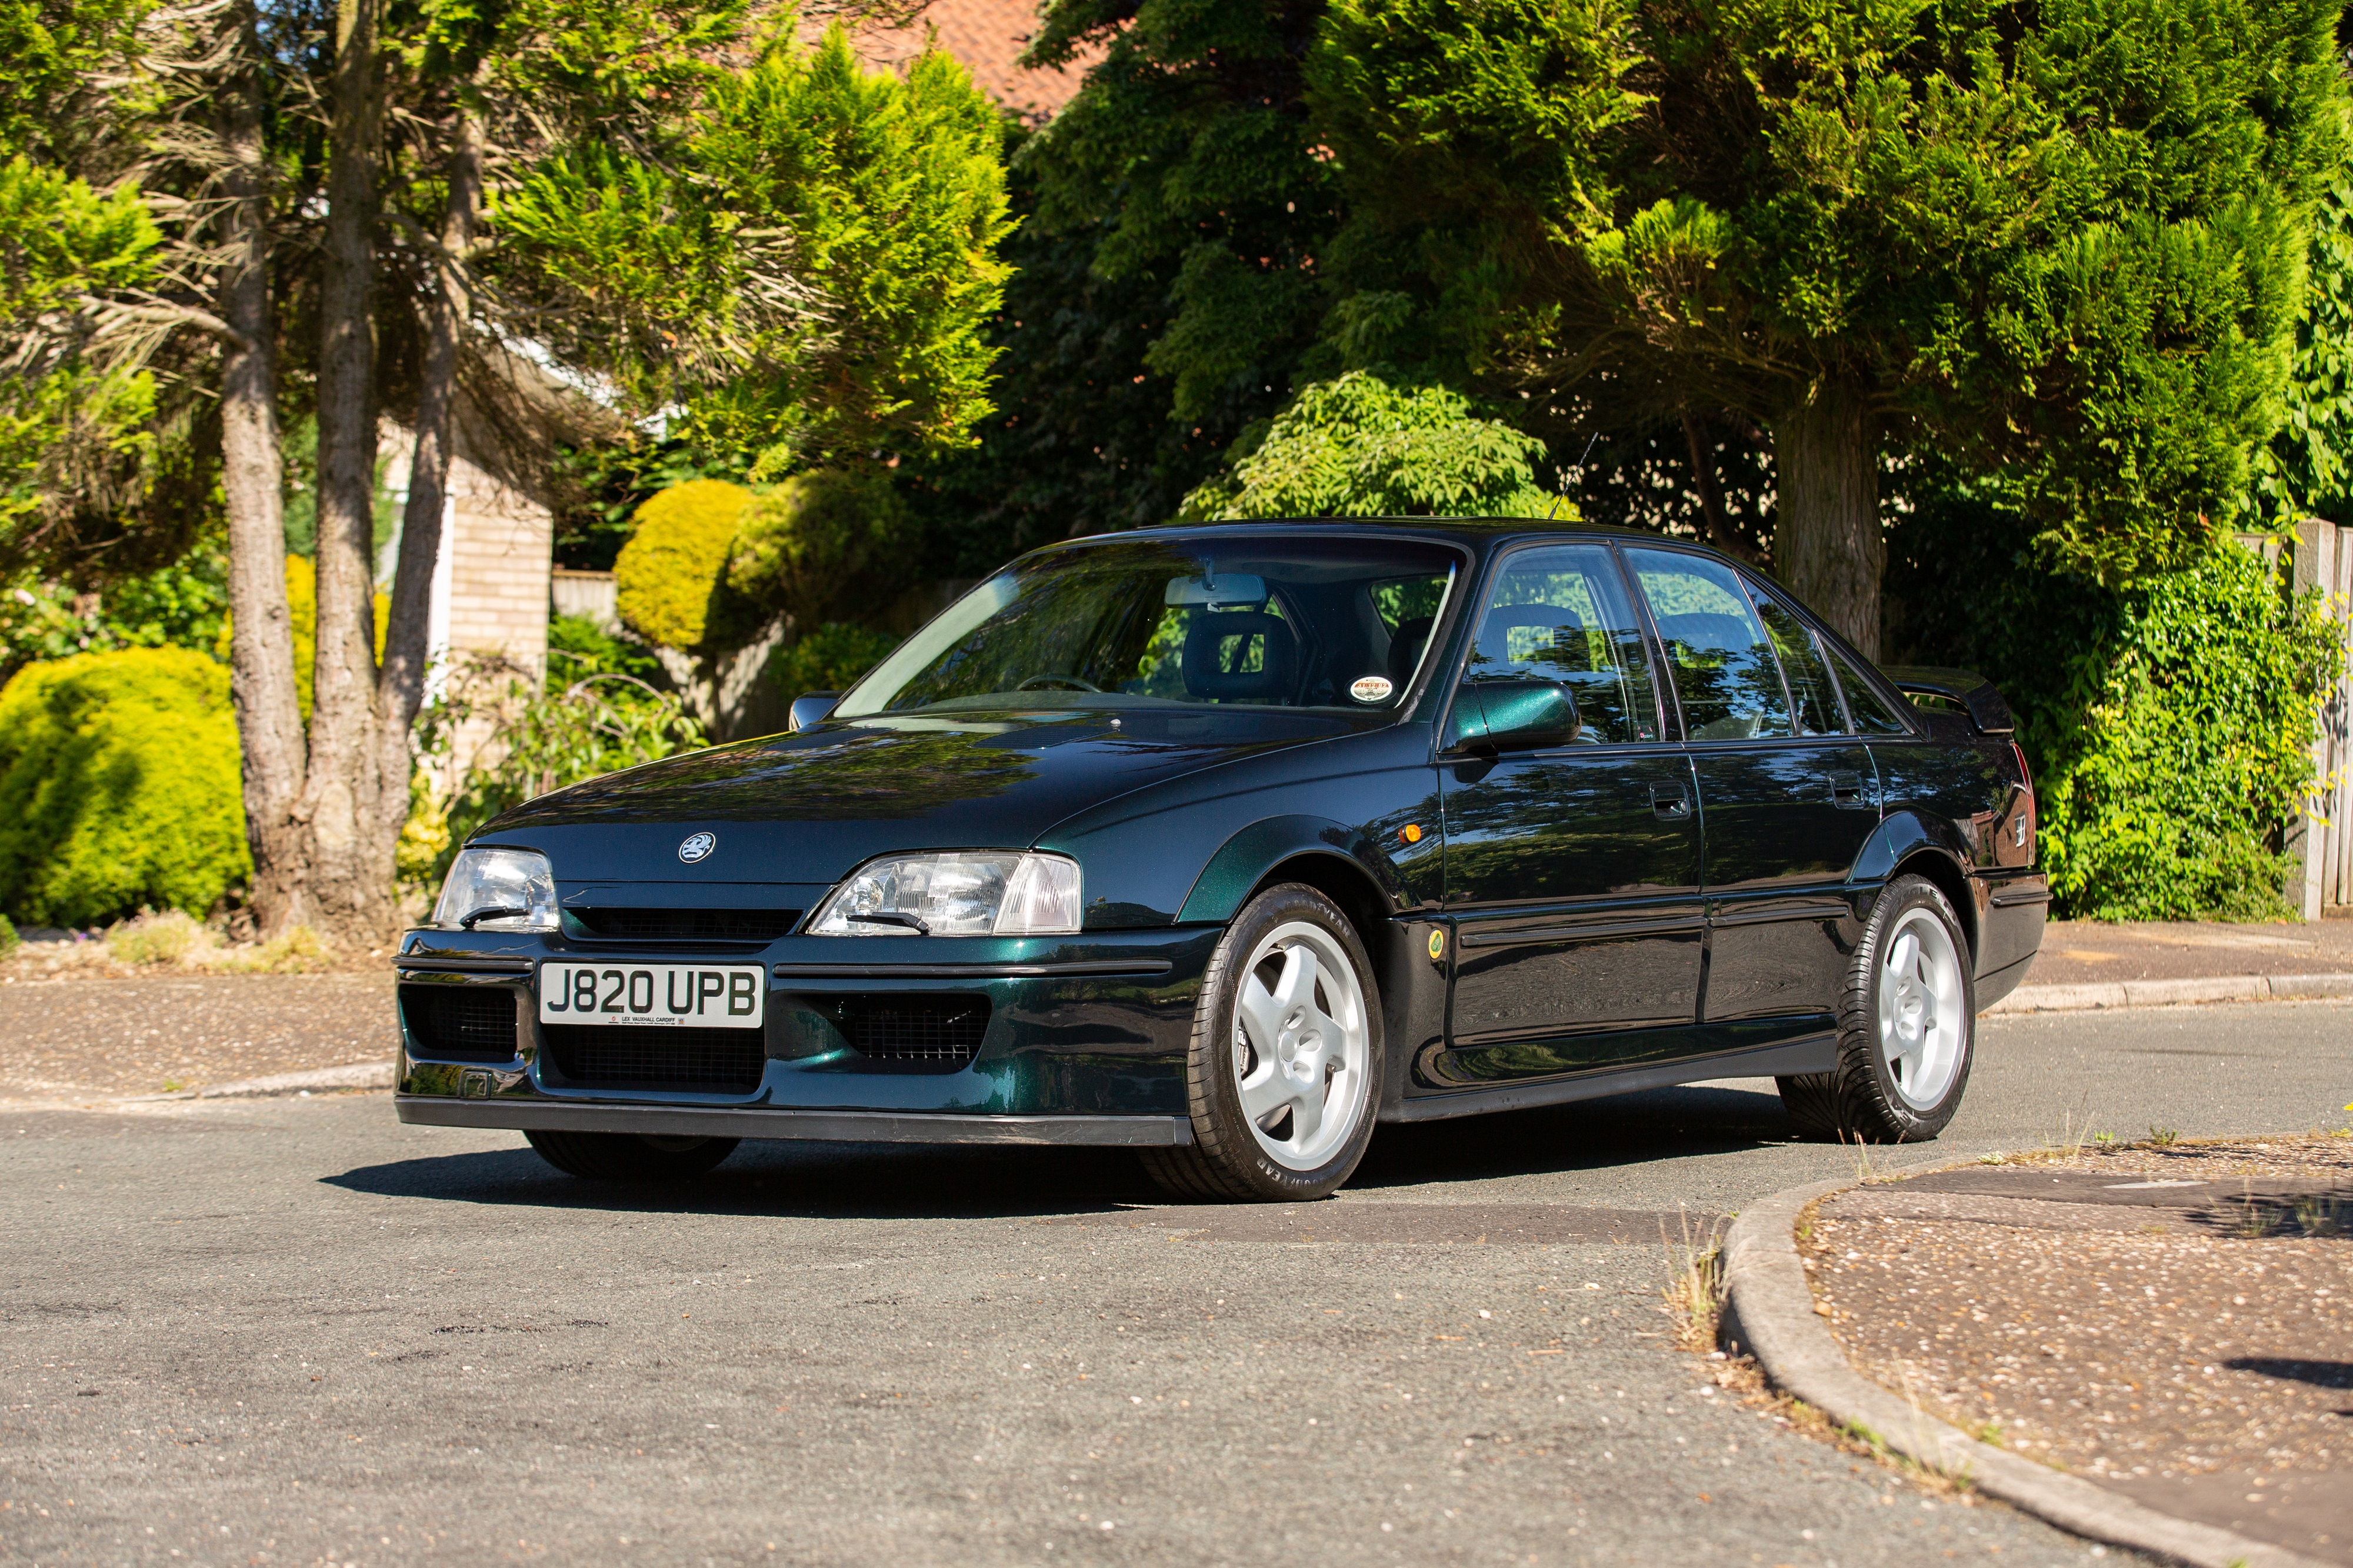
<point>2166,1350</point>
<point>88,1037</point>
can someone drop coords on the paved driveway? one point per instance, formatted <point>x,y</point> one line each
<point>295,1332</point>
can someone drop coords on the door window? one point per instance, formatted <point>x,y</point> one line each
<point>1810,691</point>
<point>1872,716</point>
<point>1724,668</point>
<point>1560,613</point>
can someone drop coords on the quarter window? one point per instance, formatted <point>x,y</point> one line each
<point>1560,613</point>
<point>1723,664</point>
<point>1809,678</point>
<point>1872,716</point>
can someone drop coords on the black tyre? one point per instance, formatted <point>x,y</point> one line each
<point>1285,1070</point>
<point>1907,1027</point>
<point>629,1156</point>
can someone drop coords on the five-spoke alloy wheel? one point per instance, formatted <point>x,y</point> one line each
<point>1285,1064</point>
<point>1907,1027</point>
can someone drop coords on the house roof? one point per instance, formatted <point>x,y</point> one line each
<point>987,38</point>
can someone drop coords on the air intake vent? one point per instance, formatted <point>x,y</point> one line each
<point>941,1031</point>
<point>613,924</point>
<point>622,1055</point>
<point>459,1023</point>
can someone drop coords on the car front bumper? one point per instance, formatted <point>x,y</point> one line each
<point>1084,1040</point>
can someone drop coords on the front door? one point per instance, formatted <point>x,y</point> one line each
<point>1786,797</point>
<point>1572,872</point>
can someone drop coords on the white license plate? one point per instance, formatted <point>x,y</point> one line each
<point>711,995</point>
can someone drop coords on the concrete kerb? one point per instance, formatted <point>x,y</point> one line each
<point>2172,992</point>
<point>358,1074</point>
<point>1769,1311</point>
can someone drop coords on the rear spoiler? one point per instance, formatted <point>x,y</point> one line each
<point>1966,690</point>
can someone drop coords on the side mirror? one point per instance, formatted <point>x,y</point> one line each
<point>810,707</point>
<point>1512,715</point>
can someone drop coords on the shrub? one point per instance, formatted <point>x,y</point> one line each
<point>2167,722</point>
<point>119,787</point>
<point>9,940</point>
<point>670,578</point>
<point>828,660</point>
<point>825,546</point>
<point>1358,446</point>
<point>152,938</point>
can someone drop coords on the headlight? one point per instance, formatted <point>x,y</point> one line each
<point>959,892</point>
<point>498,889</point>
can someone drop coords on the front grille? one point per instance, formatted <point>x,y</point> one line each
<point>686,925</point>
<point>461,1022</point>
<point>621,1056</point>
<point>941,1030</point>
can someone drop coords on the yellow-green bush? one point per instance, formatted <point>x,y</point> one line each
<point>119,787</point>
<point>670,578</point>
<point>823,546</point>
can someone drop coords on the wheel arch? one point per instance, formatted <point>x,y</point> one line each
<point>1338,861</point>
<point>1911,843</point>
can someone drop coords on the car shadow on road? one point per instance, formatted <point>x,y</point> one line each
<point>880,1180</point>
<point>1593,1134</point>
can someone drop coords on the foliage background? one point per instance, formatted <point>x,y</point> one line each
<point>119,787</point>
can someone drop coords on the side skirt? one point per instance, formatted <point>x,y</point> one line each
<point>819,1126</point>
<point>1815,1053</point>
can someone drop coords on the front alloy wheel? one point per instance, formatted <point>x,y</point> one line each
<point>1285,1061</point>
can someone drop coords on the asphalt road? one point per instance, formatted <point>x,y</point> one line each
<point>295,1332</point>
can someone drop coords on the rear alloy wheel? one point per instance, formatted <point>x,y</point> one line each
<point>1285,1069</point>
<point>629,1156</point>
<point>1907,1027</point>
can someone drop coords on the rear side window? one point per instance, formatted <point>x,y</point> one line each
<point>1722,665</point>
<point>1560,613</point>
<point>1872,716</point>
<point>1810,690</point>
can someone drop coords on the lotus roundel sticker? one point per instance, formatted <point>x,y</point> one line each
<point>1372,687</point>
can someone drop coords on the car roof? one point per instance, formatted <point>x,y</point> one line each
<point>1481,534</point>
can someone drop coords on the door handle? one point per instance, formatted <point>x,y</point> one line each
<point>1846,790</point>
<point>1670,801</point>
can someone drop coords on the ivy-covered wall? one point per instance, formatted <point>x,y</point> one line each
<point>2167,722</point>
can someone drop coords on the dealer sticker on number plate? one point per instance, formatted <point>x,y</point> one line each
<point>723,996</point>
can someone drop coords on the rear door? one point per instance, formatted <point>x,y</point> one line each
<point>1572,872</point>
<point>1787,796</point>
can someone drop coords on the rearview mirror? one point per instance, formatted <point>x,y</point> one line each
<point>1512,715</point>
<point>810,707</point>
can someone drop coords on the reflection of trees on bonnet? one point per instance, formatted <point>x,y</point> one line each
<point>862,772</point>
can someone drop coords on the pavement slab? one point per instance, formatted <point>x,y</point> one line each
<point>2174,1322</point>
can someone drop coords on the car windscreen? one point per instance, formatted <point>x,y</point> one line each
<point>1250,621</point>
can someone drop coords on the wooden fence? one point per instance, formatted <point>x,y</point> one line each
<point>2322,557</point>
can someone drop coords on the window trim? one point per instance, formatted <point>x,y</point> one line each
<point>1670,720</point>
<point>1830,643</point>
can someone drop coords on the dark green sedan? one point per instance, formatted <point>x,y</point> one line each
<point>1228,843</point>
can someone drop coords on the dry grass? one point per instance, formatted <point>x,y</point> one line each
<point>1693,1293</point>
<point>172,940</point>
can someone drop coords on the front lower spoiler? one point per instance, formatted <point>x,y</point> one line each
<point>822,1126</point>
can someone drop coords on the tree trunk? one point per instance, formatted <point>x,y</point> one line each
<point>350,872</point>
<point>400,686</point>
<point>261,637</point>
<point>1827,545</point>
<point>1711,491</point>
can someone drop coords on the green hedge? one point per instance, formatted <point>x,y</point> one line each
<point>119,787</point>
<point>671,579</point>
<point>2167,721</point>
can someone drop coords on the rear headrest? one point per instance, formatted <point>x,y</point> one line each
<point>1405,648</point>
<point>1708,634</point>
<point>1219,639</point>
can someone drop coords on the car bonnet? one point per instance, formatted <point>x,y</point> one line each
<point>809,809</point>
